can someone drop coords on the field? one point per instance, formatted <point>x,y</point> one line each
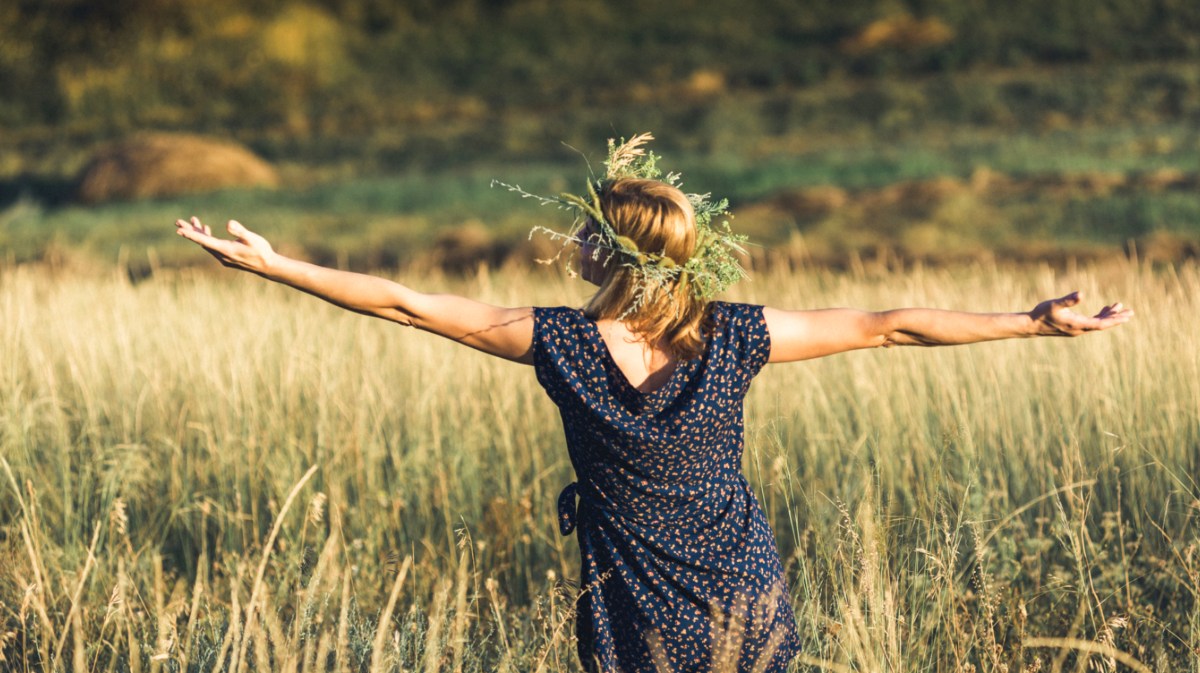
<point>204,472</point>
<point>212,473</point>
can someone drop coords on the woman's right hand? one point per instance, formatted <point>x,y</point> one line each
<point>495,330</point>
<point>247,251</point>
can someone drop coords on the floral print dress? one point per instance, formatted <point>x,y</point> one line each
<point>680,571</point>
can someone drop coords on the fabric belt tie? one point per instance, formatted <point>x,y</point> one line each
<point>566,508</point>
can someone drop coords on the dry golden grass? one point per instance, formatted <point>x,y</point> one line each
<point>204,472</point>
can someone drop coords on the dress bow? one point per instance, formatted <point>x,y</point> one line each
<point>566,508</point>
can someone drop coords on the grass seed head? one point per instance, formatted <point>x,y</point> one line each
<point>316,509</point>
<point>119,517</point>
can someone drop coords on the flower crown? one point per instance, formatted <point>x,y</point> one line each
<point>713,265</point>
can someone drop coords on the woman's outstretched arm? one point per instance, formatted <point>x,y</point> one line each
<point>503,332</point>
<point>801,335</point>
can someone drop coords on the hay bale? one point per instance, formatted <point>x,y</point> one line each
<point>903,32</point>
<point>916,196</point>
<point>812,202</point>
<point>1101,184</point>
<point>1168,246</point>
<point>465,247</point>
<point>987,182</point>
<point>1163,179</point>
<point>1074,185</point>
<point>161,164</point>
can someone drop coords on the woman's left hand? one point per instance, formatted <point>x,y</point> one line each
<point>1054,317</point>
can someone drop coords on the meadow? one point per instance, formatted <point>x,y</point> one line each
<point>204,472</point>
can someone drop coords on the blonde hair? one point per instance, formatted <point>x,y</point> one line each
<point>657,218</point>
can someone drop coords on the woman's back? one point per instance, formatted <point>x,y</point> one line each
<point>669,531</point>
<point>645,366</point>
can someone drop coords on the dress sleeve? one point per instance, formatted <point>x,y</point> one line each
<point>747,343</point>
<point>551,361</point>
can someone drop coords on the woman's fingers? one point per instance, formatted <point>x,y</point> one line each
<point>1069,300</point>
<point>236,230</point>
<point>196,232</point>
<point>191,226</point>
<point>188,231</point>
<point>247,250</point>
<point>1060,320</point>
<point>1111,316</point>
<point>1120,317</point>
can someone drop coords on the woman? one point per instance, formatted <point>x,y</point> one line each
<point>679,568</point>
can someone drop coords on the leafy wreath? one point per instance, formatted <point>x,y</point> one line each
<point>713,265</point>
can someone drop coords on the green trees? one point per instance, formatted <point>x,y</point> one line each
<point>310,67</point>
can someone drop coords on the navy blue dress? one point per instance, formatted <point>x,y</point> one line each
<point>679,568</point>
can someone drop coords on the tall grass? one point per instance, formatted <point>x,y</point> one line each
<point>207,472</point>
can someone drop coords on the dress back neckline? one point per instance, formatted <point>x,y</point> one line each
<point>601,346</point>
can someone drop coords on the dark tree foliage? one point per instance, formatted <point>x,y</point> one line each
<point>126,63</point>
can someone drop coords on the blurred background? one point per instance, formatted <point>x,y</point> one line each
<point>366,133</point>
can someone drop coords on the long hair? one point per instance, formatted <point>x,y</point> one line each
<point>658,218</point>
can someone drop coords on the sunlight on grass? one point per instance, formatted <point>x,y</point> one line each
<point>936,509</point>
